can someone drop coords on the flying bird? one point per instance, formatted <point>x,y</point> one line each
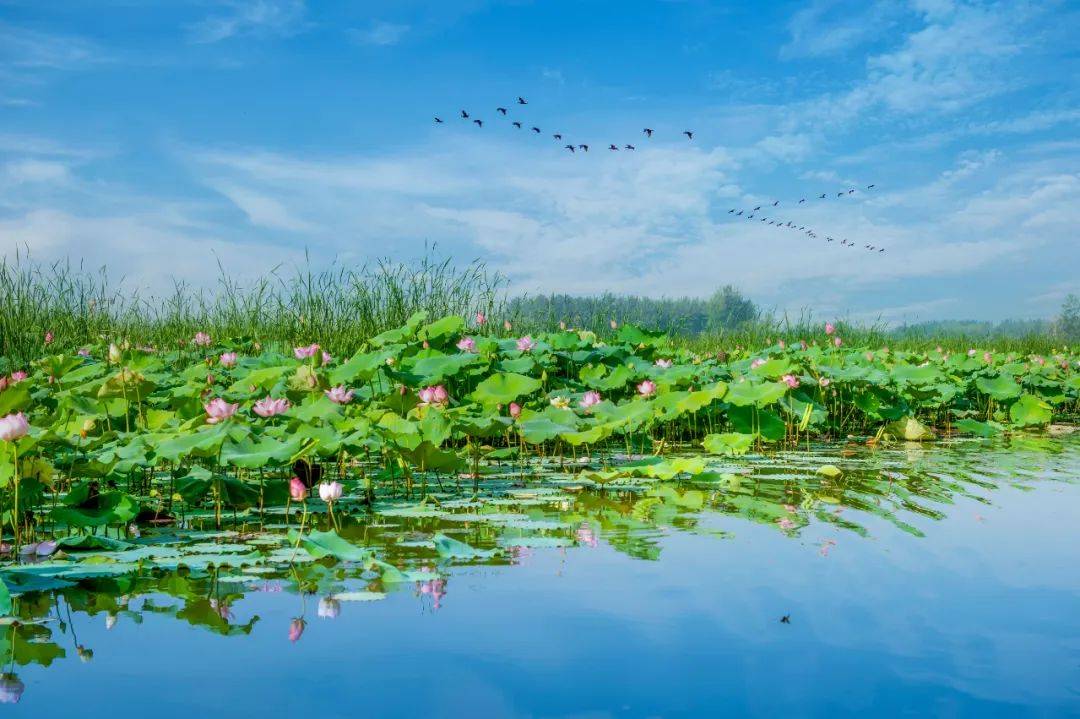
<point>536,130</point>
<point>612,147</point>
<point>648,131</point>
<point>522,101</point>
<point>438,120</point>
<point>557,136</point>
<point>731,210</point>
<point>570,148</point>
<point>464,115</point>
<point>839,194</point>
<point>802,200</point>
<point>479,123</point>
<point>851,190</point>
<point>738,213</point>
<point>757,208</point>
<point>517,124</point>
<point>869,187</point>
<point>630,147</point>
<point>689,134</point>
<point>786,619</point>
<point>882,249</point>
<point>501,109</point>
<point>776,203</point>
<point>583,147</point>
<point>822,196</point>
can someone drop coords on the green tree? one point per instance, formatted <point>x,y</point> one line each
<point>728,309</point>
<point>1068,323</point>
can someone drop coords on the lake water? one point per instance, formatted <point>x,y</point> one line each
<point>938,580</point>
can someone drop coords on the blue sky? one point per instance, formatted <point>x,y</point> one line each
<point>159,138</point>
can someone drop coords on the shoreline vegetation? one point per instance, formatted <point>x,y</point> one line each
<point>342,308</point>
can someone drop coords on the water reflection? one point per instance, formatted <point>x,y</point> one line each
<point>202,578</point>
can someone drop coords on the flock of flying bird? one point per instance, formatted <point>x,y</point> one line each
<point>748,214</point>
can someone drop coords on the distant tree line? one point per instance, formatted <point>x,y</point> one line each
<point>726,309</point>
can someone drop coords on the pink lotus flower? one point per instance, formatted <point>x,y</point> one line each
<point>837,341</point>
<point>971,352</point>
<point>201,339</point>
<point>297,490</point>
<point>664,363</point>
<point>330,491</point>
<point>218,410</point>
<point>591,399</point>
<point>340,395</point>
<point>829,328</point>
<point>436,395</point>
<point>515,410</point>
<point>647,388</point>
<point>790,380</point>
<point>227,359</point>
<point>308,352</point>
<point>48,338</point>
<point>481,318</point>
<point>17,376</point>
<point>327,358</point>
<point>585,535</point>
<point>14,426</point>
<point>987,357</point>
<point>83,352</point>
<point>268,407</point>
<point>466,344</point>
<point>525,344</point>
<point>824,381</point>
<point>786,523</point>
<point>296,629</point>
<point>754,364</point>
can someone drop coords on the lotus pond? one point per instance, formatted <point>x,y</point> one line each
<point>455,523</point>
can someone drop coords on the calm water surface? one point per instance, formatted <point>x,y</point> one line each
<point>938,580</point>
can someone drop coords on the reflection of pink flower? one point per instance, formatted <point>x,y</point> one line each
<point>590,399</point>
<point>330,491</point>
<point>647,388</point>
<point>329,608</point>
<point>340,395</point>
<point>11,689</point>
<point>268,407</point>
<point>218,410</point>
<point>786,523</point>
<point>790,508</point>
<point>791,380</point>
<point>296,629</point>
<point>585,535</point>
<point>436,588</point>
<point>467,344</point>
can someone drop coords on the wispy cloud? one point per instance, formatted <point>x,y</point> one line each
<point>380,33</point>
<point>281,18</point>
<point>23,51</point>
<point>832,27</point>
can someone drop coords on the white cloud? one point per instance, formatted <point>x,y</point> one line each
<point>33,171</point>
<point>828,27</point>
<point>251,17</point>
<point>380,33</point>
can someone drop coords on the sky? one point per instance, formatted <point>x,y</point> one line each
<point>163,139</point>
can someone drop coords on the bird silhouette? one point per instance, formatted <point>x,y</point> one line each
<point>536,130</point>
<point>648,131</point>
<point>822,196</point>
<point>689,134</point>
<point>851,190</point>
<point>882,249</point>
<point>557,136</point>
<point>776,203</point>
<point>438,120</point>
<point>829,239</point>
<point>738,213</point>
<point>757,208</point>
<point>501,109</point>
<point>612,147</point>
<point>731,210</point>
<point>802,200</point>
<point>583,147</point>
<point>786,619</point>
<point>522,101</point>
<point>749,217</point>
<point>630,147</point>
<point>479,123</point>
<point>870,187</point>
<point>464,115</point>
<point>839,194</point>
<point>517,124</point>
<point>570,148</point>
